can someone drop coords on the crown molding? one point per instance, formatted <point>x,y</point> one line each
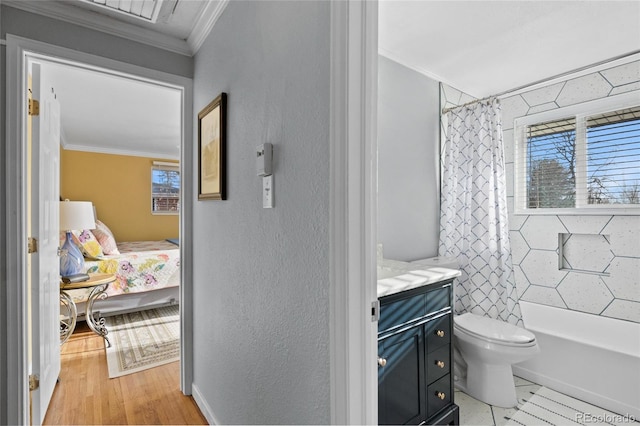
<point>205,23</point>
<point>103,23</point>
<point>118,151</point>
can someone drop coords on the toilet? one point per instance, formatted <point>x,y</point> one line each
<point>484,350</point>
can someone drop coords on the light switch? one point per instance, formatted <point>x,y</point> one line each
<point>267,192</point>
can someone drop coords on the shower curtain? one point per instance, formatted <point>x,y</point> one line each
<point>473,216</point>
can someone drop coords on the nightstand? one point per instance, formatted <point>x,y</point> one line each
<point>98,283</point>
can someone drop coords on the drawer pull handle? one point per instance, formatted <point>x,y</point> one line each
<point>441,395</point>
<point>440,364</point>
<point>382,361</point>
<point>440,333</point>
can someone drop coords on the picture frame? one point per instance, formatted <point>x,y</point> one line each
<point>212,141</point>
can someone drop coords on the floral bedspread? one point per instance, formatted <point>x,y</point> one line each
<point>141,266</point>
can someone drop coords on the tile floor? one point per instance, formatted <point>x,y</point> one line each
<point>477,413</point>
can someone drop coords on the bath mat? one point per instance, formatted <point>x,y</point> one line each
<point>142,340</point>
<point>548,407</point>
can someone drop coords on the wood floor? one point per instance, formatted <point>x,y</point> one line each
<point>85,395</point>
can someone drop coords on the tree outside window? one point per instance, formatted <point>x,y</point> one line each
<point>165,190</point>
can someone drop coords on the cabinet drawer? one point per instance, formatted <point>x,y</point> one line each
<point>438,332</point>
<point>401,311</point>
<point>438,363</point>
<point>439,395</point>
<point>439,299</point>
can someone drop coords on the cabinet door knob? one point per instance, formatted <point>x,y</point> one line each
<point>440,333</point>
<point>440,364</point>
<point>441,395</point>
<point>382,361</point>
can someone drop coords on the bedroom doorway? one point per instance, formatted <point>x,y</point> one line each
<point>20,54</point>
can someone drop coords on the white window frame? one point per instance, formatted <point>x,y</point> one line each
<point>164,165</point>
<point>580,112</point>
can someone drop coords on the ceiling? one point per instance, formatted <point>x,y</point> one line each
<point>486,48</point>
<point>102,112</point>
<point>479,47</point>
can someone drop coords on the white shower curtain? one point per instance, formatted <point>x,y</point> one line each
<point>473,218</point>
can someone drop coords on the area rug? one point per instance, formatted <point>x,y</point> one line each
<point>142,340</point>
<point>548,407</point>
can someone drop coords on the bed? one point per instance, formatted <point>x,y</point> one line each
<point>147,276</point>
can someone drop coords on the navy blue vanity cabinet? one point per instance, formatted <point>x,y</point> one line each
<point>415,378</point>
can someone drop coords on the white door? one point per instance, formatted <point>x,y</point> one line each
<point>45,276</point>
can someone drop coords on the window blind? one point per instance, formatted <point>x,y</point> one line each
<point>551,164</point>
<point>165,188</point>
<point>613,157</point>
<point>584,160</point>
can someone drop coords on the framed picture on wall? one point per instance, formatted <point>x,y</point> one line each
<point>212,135</point>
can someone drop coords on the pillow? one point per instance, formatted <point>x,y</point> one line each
<point>87,243</point>
<point>106,239</point>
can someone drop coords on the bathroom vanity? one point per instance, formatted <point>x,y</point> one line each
<point>415,359</point>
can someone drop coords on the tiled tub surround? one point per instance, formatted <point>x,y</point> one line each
<point>543,275</point>
<point>604,281</point>
<point>611,285</point>
<point>608,296</point>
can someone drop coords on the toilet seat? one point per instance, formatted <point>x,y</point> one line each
<point>492,330</point>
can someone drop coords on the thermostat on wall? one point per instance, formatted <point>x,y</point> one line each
<point>263,159</point>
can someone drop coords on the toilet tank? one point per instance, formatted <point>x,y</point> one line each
<point>439,261</point>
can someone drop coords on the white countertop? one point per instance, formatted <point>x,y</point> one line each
<point>400,276</point>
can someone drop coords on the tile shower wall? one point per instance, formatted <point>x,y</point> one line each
<point>578,262</point>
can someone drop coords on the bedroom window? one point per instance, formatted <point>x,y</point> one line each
<point>165,188</point>
<point>581,159</point>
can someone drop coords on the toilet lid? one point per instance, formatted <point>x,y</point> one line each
<point>489,328</point>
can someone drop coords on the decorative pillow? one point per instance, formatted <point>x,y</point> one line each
<point>87,243</point>
<point>106,239</point>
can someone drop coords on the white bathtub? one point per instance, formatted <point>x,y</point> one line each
<point>589,357</point>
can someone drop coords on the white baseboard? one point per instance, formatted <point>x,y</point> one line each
<point>204,407</point>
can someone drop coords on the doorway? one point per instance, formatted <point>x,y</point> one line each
<point>19,54</point>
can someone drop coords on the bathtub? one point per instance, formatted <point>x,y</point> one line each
<point>592,358</point>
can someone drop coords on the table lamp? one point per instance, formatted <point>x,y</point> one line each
<point>74,215</point>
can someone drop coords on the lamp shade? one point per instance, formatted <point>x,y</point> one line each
<point>76,215</point>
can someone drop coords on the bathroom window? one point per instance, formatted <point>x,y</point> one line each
<point>165,188</point>
<point>585,158</point>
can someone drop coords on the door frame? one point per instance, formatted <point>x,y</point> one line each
<point>353,211</point>
<point>19,50</point>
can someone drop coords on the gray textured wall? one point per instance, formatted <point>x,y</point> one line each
<point>408,162</point>
<point>261,276</point>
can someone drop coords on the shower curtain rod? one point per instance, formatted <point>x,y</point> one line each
<point>475,101</point>
<point>544,80</point>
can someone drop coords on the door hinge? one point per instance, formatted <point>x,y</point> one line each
<point>34,382</point>
<point>34,107</point>
<point>375,311</point>
<point>32,245</point>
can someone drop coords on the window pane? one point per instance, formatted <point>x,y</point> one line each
<point>613,157</point>
<point>551,164</point>
<point>165,190</point>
